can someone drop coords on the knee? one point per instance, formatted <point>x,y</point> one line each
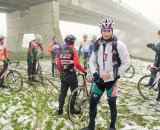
<point>63,92</point>
<point>112,99</point>
<point>94,98</point>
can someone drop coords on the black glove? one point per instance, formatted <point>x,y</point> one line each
<point>85,73</point>
<point>97,79</point>
<point>150,45</point>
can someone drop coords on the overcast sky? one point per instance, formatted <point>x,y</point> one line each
<point>149,8</point>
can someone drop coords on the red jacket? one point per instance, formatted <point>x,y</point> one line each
<point>77,65</point>
<point>3,53</point>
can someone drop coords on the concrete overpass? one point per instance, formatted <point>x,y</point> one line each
<point>42,17</point>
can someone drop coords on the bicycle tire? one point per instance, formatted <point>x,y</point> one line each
<point>130,72</point>
<point>145,91</point>
<point>81,103</point>
<point>9,81</point>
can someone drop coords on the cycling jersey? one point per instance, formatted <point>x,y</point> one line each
<point>33,49</point>
<point>104,58</point>
<point>85,46</point>
<point>91,47</point>
<point>68,60</point>
<point>3,53</point>
<point>54,48</point>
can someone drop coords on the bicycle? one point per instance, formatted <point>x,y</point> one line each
<point>81,101</point>
<point>149,92</point>
<point>12,78</point>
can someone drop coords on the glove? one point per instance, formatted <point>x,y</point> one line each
<point>97,79</point>
<point>150,45</point>
<point>85,73</point>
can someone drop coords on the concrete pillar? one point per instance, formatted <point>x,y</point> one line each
<point>41,19</point>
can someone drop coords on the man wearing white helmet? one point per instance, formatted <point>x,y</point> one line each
<point>31,57</point>
<point>112,59</point>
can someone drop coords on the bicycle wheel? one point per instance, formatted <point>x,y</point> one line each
<point>145,90</point>
<point>81,104</point>
<point>14,80</point>
<point>38,74</point>
<point>130,72</point>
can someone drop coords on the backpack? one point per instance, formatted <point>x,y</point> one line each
<point>115,58</point>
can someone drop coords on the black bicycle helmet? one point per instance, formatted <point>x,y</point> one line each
<point>70,39</point>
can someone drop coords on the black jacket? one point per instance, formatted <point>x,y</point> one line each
<point>157,56</point>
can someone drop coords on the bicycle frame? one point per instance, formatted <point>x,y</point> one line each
<point>155,82</point>
<point>157,76</point>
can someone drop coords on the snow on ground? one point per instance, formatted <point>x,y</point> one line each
<point>34,109</point>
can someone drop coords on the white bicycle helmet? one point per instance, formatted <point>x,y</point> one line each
<point>106,24</point>
<point>38,37</point>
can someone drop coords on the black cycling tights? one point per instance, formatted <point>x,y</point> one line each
<point>94,99</point>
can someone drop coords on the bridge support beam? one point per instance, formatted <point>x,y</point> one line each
<point>41,19</point>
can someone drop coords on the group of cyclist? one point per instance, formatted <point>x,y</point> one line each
<point>107,52</point>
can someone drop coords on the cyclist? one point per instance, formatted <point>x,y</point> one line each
<point>3,58</point>
<point>31,57</point>
<point>155,48</point>
<point>94,38</point>
<point>113,59</point>
<point>85,48</point>
<point>67,65</point>
<point>54,48</point>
